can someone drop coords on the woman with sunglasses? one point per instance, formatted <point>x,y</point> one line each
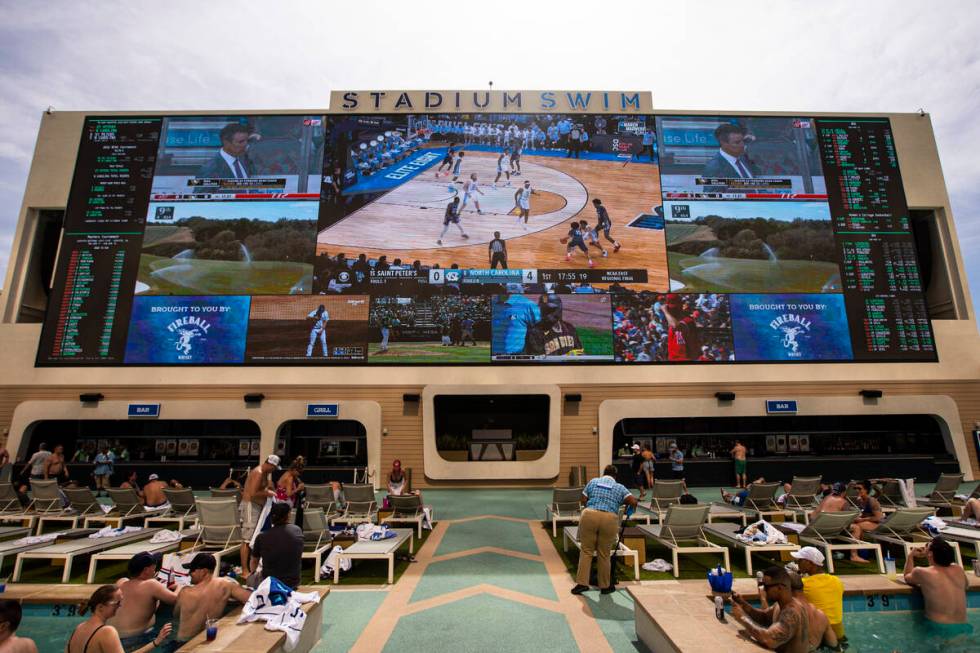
<point>94,636</point>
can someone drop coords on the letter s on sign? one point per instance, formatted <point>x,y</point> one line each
<point>350,100</point>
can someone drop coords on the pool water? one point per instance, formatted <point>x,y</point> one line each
<point>887,623</point>
<point>50,624</point>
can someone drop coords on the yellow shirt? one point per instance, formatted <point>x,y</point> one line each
<point>827,593</point>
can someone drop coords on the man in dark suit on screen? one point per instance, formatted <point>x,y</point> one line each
<point>231,160</point>
<point>731,161</point>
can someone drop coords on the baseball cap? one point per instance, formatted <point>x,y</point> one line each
<point>809,553</point>
<point>635,447</point>
<point>141,561</point>
<point>202,561</point>
<point>273,460</point>
<point>153,477</point>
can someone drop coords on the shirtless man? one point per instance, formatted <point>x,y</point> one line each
<point>54,466</point>
<point>153,492</point>
<point>833,502</point>
<point>10,615</point>
<point>142,594</point>
<point>738,454</point>
<point>787,631</point>
<point>207,597</point>
<point>943,583</point>
<point>257,490</point>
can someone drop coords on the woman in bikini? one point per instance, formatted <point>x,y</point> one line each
<point>94,636</point>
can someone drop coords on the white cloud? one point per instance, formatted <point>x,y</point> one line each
<point>832,56</point>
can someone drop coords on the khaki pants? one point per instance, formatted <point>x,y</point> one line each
<point>597,532</point>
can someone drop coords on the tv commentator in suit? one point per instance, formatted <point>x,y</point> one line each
<point>230,161</point>
<point>731,160</point>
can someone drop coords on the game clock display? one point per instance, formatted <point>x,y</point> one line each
<point>494,239</point>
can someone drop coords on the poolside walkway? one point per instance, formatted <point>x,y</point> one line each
<point>491,581</point>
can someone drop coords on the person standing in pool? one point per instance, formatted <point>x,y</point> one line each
<point>205,598</point>
<point>943,584</point>
<point>142,594</point>
<point>10,616</point>
<point>95,635</point>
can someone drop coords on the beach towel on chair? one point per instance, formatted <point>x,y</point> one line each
<point>173,569</point>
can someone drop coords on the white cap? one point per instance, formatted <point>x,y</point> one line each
<point>809,553</point>
<point>273,460</point>
<point>154,477</point>
<point>635,447</point>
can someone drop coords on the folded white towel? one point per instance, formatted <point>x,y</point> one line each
<point>658,565</point>
<point>165,536</point>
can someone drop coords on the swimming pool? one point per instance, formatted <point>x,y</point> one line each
<point>50,624</point>
<point>881,622</point>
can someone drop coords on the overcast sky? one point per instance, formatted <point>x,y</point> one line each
<point>798,56</point>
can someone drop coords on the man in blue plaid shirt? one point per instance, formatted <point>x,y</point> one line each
<point>598,528</point>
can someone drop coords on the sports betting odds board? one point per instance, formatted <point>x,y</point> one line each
<point>485,239</point>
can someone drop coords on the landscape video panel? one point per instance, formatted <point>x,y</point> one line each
<point>231,247</point>
<point>485,239</point>
<point>751,246</point>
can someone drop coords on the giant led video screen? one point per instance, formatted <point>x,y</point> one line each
<point>485,239</point>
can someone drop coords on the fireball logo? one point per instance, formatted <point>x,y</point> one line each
<point>792,329</point>
<point>184,337</point>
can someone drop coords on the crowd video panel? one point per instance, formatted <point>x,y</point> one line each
<point>485,239</point>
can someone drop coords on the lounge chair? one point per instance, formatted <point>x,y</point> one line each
<point>183,509</point>
<point>889,495</point>
<point>13,532</point>
<point>407,509</point>
<point>130,505</point>
<point>13,547</point>
<point>943,495</point>
<point>761,502</point>
<point>901,528</point>
<point>802,497</point>
<point>321,496</point>
<point>69,549</point>
<point>9,501</point>
<point>964,534</point>
<point>360,507</point>
<point>127,551</point>
<point>226,493</point>
<point>47,505</point>
<point>851,493</point>
<point>90,509</point>
<point>727,533</point>
<point>682,531</point>
<point>565,507</point>
<point>663,495</point>
<point>829,531</point>
<point>721,511</point>
<point>220,532</point>
<point>317,539</point>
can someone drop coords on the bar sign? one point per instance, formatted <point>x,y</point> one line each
<point>780,406</point>
<point>322,410</point>
<point>144,410</point>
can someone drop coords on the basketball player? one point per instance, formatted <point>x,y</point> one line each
<point>452,217</point>
<point>503,167</point>
<point>592,237</point>
<point>447,160</point>
<point>515,159</point>
<point>552,336</point>
<point>470,189</point>
<point>574,239</point>
<point>456,167</point>
<point>319,331</point>
<point>522,198</point>
<point>604,225</point>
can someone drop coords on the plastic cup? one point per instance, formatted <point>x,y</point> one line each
<point>211,629</point>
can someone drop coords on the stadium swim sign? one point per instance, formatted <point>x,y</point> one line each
<point>491,101</point>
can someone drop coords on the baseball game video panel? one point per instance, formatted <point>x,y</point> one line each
<point>494,239</point>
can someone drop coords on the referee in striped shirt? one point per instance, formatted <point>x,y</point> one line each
<point>498,252</point>
<point>598,527</point>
